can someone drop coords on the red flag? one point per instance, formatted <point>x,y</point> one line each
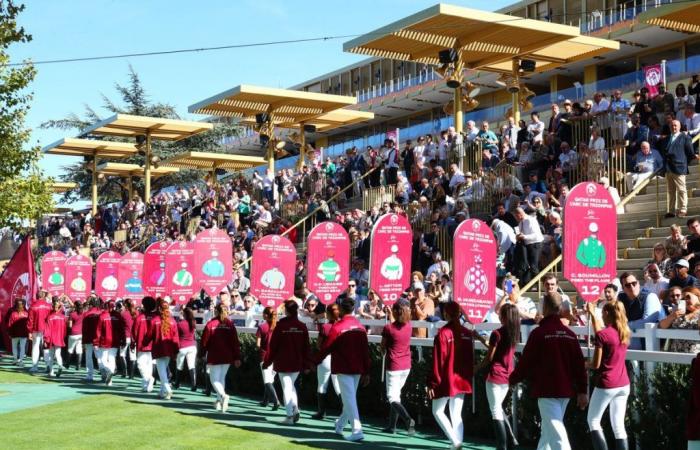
<point>653,76</point>
<point>18,280</point>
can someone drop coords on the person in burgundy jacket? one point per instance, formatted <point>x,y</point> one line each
<point>612,337</point>
<point>396,346</point>
<point>499,363</point>
<point>38,312</point>
<point>141,341</point>
<point>166,343</point>
<point>186,329</point>
<point>55,336</point>
<point>108,338</point>
<point>263,335</point>
<point>553,364</point>
<point>349,349</point>
<point>692,420</point>
<point>220,341</point>
<point>289,353</point>
<point>75,333</point>
<point>324,377</point>
<point>451,377</point>
<point>18,330</point>
<point>128,313</point>
<point>90,322</point>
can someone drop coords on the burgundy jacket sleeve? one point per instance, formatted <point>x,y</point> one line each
<point>435,377</point>
<point>526,362</point>
<point>236,345</point>
<point>30,320</point>
<point>272,347</point>
<point>98,332</point>
<point>205,337</point>
<point>327,346</point>
<point>578,365</point>
<point>308,362</point>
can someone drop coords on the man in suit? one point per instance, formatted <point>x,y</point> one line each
<point>679,152</point>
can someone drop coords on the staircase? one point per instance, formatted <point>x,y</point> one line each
<point>640,227</point>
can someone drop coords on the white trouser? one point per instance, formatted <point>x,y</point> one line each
<point>617,399</point>
<point>108,356</point>
<point>395,379</point>
<point>19,345</point>
<point>693,445</point>
<point>98,356</point>
<point>217,376</point>
<point>144,361</point>
<point>75,344</point>
<point>357,189</point>
<point>162,367</point>
<point>186,353</point>
<point>89,350</point>
<point>323,375</point>
<point>634,179</point>
<point>496,393</point>
<point>553,435</point>
<point>453,427</point>
<point>289,392</point>
<point>55,356</point>
<point>127,348</point>
<point>268,374</point>
<point>37,347</point>
<point>348,393</point>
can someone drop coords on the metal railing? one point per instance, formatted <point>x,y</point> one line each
<point>467,156</point>
<point>376,196</point>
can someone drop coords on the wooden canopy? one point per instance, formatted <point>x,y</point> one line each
<point>213,161</point>
<point>325,122</point>
<point>160,129</point>
<point>60,187</point>
<point>132,170</point>
<point>90,147</point>
<point>485,40</point>
<point>682,16</point>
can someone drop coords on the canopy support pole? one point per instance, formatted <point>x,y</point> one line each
<point>147,170</point>
<point>302,149</point>
<point>516,95</point>
<point>130,187</point>
<point>94,185</point>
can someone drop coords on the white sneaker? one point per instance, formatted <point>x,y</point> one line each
<point>338,427</point>
<point>355,436</point>
<point>224,403</point>
<point>217,405</point>
<point>168,395</point>
<point>288,421</point>
<point>149,387</point>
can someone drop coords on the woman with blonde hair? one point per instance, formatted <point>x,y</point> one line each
<point>659,256</point>
<point>263,335</point>
<point>166,343</point>
<point>612,337</point>
<point>373,309</point>
<point>220,340</point>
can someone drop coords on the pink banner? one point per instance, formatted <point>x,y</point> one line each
<point>213,260</point>
<point>390,257</point>
<point>328,261</point>
<point>653,76</point>
<point>590,239</point>
<point>53,267</point>
<point>394,136</point>
<point>131,276</point>
<point>78,283</point>
<point>179,271</point>
<point>107,275</point>
<point>272,276</point>
<point>154,280</point>
<point>474,268</point>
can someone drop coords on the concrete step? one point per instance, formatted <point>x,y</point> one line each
<point>691,183</point>
<point>635,217</point>
<point>637,253</point>
<point>632,264</point>
<point>626,243</point>
<point>632,233</point>
<point>636,206</point>
<point>634,224</point>
<point>647,243</point>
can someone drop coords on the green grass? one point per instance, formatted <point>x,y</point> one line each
<point>108,421</point>
<point>7,377</point>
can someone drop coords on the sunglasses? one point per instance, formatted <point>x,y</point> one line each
<point>631,284</point>
<point>352,285</point>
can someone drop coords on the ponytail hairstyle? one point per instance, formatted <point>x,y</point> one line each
<point>78,307</point>
<point>270,316</point>
<point>510,318</point>
<point>189,317</point>
<point>614,314</point>
<point>454,311</point>
<point>221,312</point>
<point>402,312</point>
<point>164,317</point>
<point>55,304</point>
<point>20,302</point>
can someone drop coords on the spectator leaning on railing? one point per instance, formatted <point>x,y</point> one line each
<point>641,306</point>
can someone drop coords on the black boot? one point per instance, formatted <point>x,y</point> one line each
<point>406,417</point>
<point>272,395</point>
<point>499,429</point>
<point>77,364</point>
<point>393,418</point>
<point>176,379</point>
<point>263,402</point>
<point>193,380</point>
<point>510,436</point>
<point>321,407</point>
<point>621,444</point>
<point>207,389</point>
<point>132,368</point>
<point>124,369</point>
<point>598,439</point>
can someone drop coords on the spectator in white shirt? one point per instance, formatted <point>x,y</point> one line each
<point>472,131</point>
<point>419,152</point>
<point>536,128</point>
<point>457,177</point>
<point>655,281</point>
<point>691,120</point>
<point>530,235</point>
<point>600,110</point>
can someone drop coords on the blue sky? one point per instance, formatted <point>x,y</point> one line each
<point>68,29</point>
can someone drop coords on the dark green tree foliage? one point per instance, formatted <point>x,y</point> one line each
<point>24,192</point>
<point>133,99</point>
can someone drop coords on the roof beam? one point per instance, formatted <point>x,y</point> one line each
<point>523,51</point>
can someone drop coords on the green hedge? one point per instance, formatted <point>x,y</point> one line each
<point>661,409</point>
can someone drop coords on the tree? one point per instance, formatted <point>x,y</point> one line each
<point>136,101</point>
<point>24,192</point>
